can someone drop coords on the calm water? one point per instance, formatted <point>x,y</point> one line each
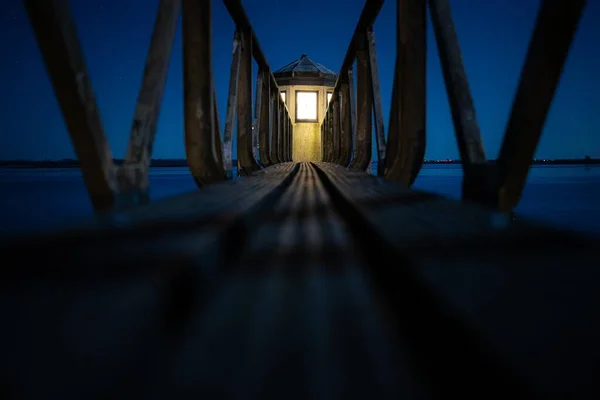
<point>41,199</point>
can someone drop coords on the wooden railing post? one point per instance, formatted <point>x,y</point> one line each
<point>377,107</point>
<point>364,107</point>
<point>323,140</point>
<point>280,137</point>
<point>246,161</point>
<point>291,145</point>
<point>345,123</point>
<point>336,127</point>
<point>327,136</point>
<point>405,150</point>
<point>287,138</point>
<point>264,126</point>
<point>352,101</point>
<point>56,36</point>
<point>200,127</point>
<point>257,113</point>
<point>232,99</point>
<point>275,127</point>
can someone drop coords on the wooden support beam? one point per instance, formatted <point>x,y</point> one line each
<point>406,135</point>
<point>132,177</point>
<point>548,49</point>
<point>246,161</point>
<point>377,107</point>
<point>364,104</point>
<point>232,99</point>
<point>466,128</point>
<point>56,36</point>
<point>198,91</point>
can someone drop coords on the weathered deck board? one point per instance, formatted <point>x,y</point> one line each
<point>311,281</point>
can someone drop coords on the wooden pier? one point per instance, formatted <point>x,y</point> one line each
<point>302,279</point>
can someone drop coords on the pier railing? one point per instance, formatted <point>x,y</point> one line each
<point>347,125</point>
<point>264,132</point>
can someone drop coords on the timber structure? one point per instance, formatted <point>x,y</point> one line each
<point>302,279</point>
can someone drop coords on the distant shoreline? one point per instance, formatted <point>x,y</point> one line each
<point>167,163</point>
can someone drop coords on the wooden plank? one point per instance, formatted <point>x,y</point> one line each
<point>466,128</point>
<point>365,108</point>
<point>469,260</point>
<point>247,162</point>
<point>201,142</point>
<point>455,301</point>
<point>556,24</point>
<point>377,107</point>
<point>407,117</point>
<point>132,176</point>
<point>56,36</point>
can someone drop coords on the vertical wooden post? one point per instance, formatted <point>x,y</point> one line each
<point>275,127</point>
<point>280,138</point>
<point>406,137</point>
<point>57,39</point>
<point>352,100</point>
<point>345,123</point>
<point>247,163</point>
<point>264,127</point>
<point>198,88</point>
<point>377,107</point>
<point>291,145</point>
<point>328,132</point>
<point>132,177</point>
<point>364,107</point>
<point>331,133</point>
<point>257,112</point>
<point>323,140</point>
<point>232,99</point>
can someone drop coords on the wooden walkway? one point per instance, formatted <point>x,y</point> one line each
<point>302,280</point>
<point>309,282</point>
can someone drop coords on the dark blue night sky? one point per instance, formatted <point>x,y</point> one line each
<point>116,33</point>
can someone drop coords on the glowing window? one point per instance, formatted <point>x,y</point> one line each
<point>329,95</point>
<point>306,106</point>
<point>283,96</point>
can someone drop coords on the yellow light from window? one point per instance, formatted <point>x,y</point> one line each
<point>306,105</point>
